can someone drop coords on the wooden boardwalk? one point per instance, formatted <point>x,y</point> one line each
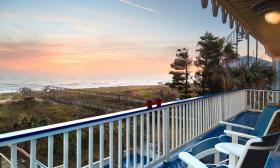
<point>90,99</point>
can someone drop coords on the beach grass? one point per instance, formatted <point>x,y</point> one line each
<point>17,113</point>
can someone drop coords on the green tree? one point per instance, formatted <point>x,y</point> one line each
<point>180,72</point>
<point>214,55</point>
<point>258,76</point>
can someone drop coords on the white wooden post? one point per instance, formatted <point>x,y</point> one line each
<point>166,133</point>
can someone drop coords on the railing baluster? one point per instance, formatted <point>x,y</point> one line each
<point>141,140</point>
<point>50,151</point>
<point>203,116</point>
<point>267,97</point>
<point>192,120</point>
<point>101,145</point>
<point>198,117</point>
<point>135,141</point>
<point>172,127</point>
<point>90,146</point>
<point>127,142</point>
<point>14,156</point>
<point>120,143</point>
<point>33,153</point>
<point>153,135</point>
<point>79,148</point>
<point>207,114</point>
<point>195,118</point>
<point>184,122</point>
<point>254,100</point>
<point>165,131</point>
<point>176,126</point>
<point>180,125</point>
<point>251,100</point>
<point>158,133</point>
<point>187,122</point>
<point>148,138</point>
<point>263,100</point>
<point>111,144</point>
<point>65,149</point>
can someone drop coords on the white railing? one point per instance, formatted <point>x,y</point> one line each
<point>258,99</point>
<point>151,134</point>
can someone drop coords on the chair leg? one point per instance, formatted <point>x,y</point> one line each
<point>216,158</point>
<point>232,160</point>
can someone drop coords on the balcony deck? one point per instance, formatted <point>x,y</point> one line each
<point>148,137</point>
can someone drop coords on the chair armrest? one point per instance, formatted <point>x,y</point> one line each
<point>236,125</point>
<point>191,161</point>
<point>238,134</point>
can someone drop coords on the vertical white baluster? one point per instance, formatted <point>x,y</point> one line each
<point>277,97</point>
<point>111,144</point>
<point>120,143</point>
<point>134,141</point>
<point>165,131</point>
<point>101,145</point>
<point>184,122</point>
<point>148,138</point>
<point>198,117</point>
<point>206,114</point>
<point>213,111</point>
<point>90,147</point>
<point>209,103</point>
<point>65,149</point>
<point>187,122</point>
<point>263,100</point>
<point>274,97</point>
<point>176,126</point>
<point>217,110</point>
<point>195,119</point>
<point>50,151</point>
<point>172,127</point>
<point>251,100</point>
<point>127,142</point>
<point>14,156</point>
<point>254,99</point>
<point>33,153</point>
<point>153,136</point>
<point>141,140</point>
<point>259,98</point>
<point>201,116</point>
<point>79,148</point>
<point>267,97</point>
<point>180,125</point>
<point>191,121</point>
<point>158,132</point>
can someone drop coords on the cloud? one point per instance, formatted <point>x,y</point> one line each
<point>103,15</point>
<point>139,6</point>
<point>9,14</point>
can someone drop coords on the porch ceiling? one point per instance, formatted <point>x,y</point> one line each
<point>267,34</point>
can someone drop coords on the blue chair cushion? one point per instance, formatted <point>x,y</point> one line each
<point>264,120</point>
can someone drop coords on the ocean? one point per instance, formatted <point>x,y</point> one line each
<point>15,82</point>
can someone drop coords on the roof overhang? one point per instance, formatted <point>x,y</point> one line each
<point>240,14</point>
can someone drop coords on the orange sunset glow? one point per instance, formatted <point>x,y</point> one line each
<point>96,38</point>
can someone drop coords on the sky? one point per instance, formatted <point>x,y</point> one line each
<point>101,38</point>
